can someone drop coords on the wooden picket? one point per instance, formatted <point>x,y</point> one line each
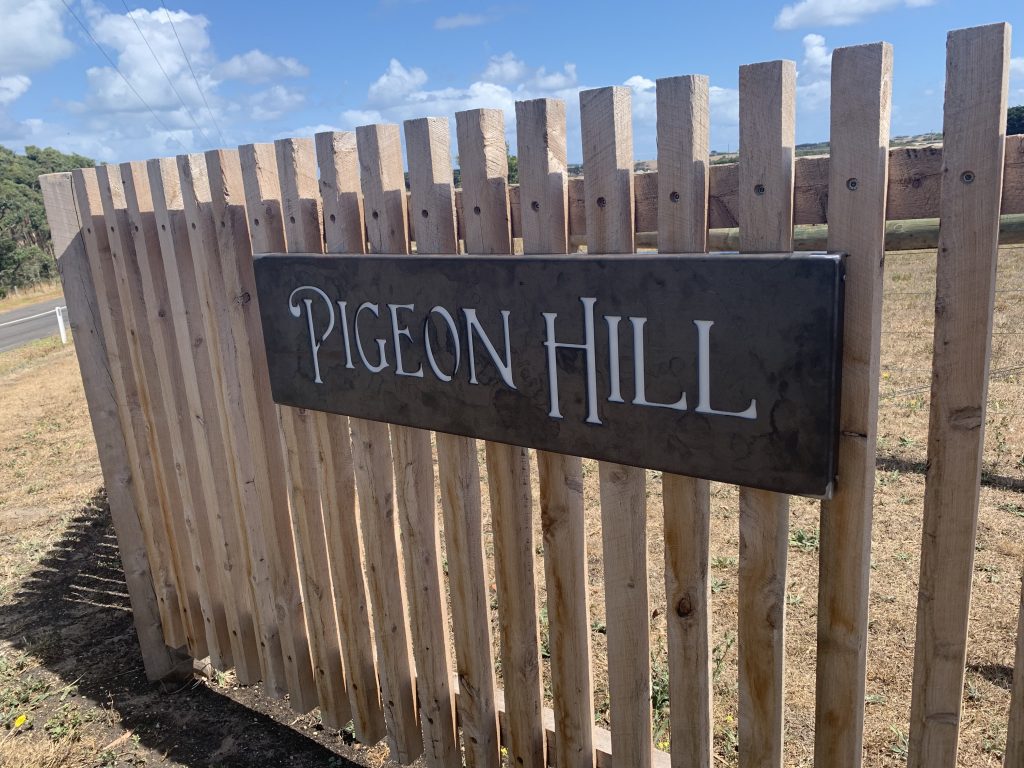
<point>683,121</point>
<point>306,550</point>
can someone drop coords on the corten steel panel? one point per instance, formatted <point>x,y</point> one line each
<point>775,339</point>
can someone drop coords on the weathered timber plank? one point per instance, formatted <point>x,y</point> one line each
<point>974,124</point>
<point>767,124</point>
<point>683,135</point>
<point>862,87</point>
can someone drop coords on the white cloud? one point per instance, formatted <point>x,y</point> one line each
<point>507,68</point>
<point>837,13</point>
<point>399,94</point>
<point>31,35</point>
<point>258,67</point>
<point>108,90</point>
<point>459,20</point>
<point>273,102</point>
<point>724,105</point>
<point>356,117</point>
<point>395,84</point>
<point>109,122</point>
<point>813,85</point>
<point>306,130</point>
<point>1017,67</point>
<point>555,80</point>
<point>13,87</point>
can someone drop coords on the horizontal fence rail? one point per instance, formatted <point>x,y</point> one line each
<point>432,589</point>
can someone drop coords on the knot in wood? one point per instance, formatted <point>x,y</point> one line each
<point>684,608</point>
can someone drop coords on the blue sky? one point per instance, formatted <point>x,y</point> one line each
<point>267,70</point>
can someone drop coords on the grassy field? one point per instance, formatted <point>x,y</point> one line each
<point>69,666</point>
<point>39,292</point>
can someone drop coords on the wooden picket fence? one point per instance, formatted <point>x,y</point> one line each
<point>302,549</point>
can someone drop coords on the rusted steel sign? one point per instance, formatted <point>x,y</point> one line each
<point>719,366</point>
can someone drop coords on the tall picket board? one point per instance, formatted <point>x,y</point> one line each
<point>349,564</point>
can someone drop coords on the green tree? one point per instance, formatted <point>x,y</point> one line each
<point>26,254</point>
<point>1015,120</point>
<point>513,166</point>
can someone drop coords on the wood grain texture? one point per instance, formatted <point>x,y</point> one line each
<point>213,315</point>
<point>340,193</point>
<point>166,463</point>
<point>143,484</point>
<point>974,124</point>
<point>221,214</point>
<point>428,146</point>
<point>767,124</point>
<point>607,130</point>
<point>344,233</point>
<point>683,135</point>
<point>300,206</point>
<point>385,580</point>
<point>861,104</point>
<point>431,192</point>
<point>259,177</point>
<point>383,184</point>
<point>380,159</point>
<point>206,414</point>
<point>543,174</point>
<point>483,161</point>
<point>98,373</point>
<point>384,180</point>
<point>202,523</point>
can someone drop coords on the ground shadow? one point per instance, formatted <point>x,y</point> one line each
<point>72,614</point>
<point>1000,675</point>
<point>920,467</point>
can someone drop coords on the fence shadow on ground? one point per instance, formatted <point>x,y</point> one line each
<point>73,616</point>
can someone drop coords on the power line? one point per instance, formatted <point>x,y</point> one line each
<point>164,71</point>
<point>126,80</point>
<point>194,78</point>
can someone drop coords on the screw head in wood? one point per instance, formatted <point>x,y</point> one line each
<point>601,202</point>
<point>674,197</point>
<point>476,209</point>
<point>852,184</point>
<point>759,189</point>
<point>535,205</point>
<point>967,177</point>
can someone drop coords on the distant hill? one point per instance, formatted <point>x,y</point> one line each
<point>26,254</point>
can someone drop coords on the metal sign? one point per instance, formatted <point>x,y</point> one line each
<point>720,366</point>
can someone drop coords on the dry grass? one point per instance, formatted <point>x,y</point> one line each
<point>48,466</point>
<point>19,297</point>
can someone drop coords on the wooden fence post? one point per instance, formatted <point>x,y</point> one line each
<point>974,127</point>
<point>683,135</point>
<point>484,172</point>
<point>544,198</point>
<point>767,130</point>
<point>428,145</point>
<point>607,130</point>
<point>861,87</point>
<point>160,662</point>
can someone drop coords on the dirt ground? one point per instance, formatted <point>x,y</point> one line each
<point>72,690</point>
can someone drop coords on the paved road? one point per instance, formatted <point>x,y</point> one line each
<point>12,336</point>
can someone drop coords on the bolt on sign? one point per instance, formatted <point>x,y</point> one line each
<point>720,366</point>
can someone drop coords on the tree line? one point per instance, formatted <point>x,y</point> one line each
<point>26,253</point>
